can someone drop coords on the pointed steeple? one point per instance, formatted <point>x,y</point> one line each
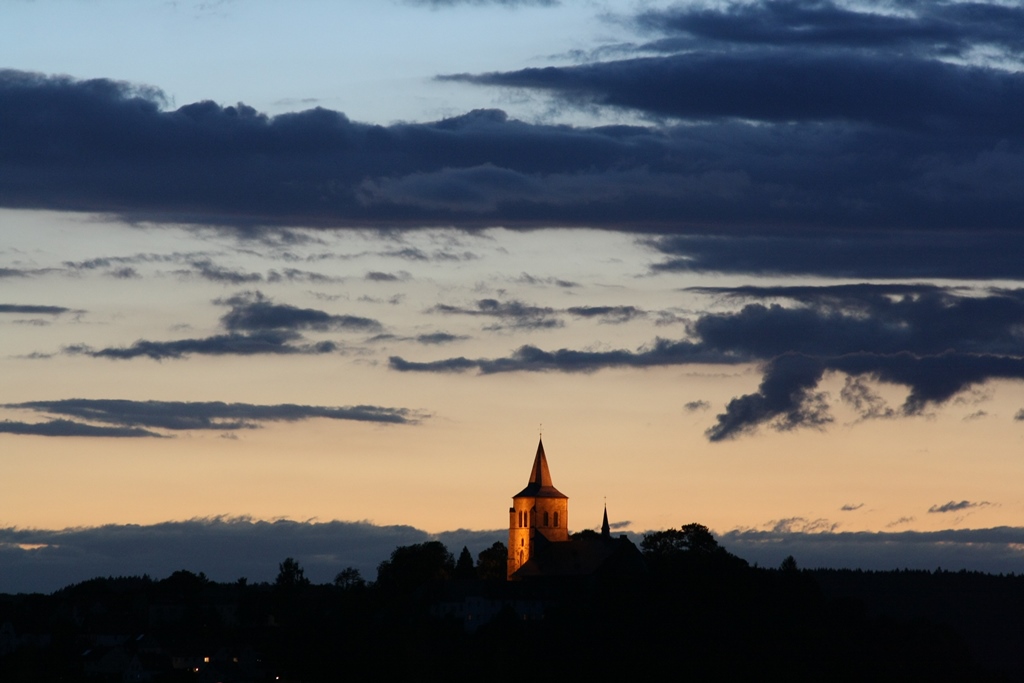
<point>541,475</point>
<point>540,485</point>
<point>606,530</point>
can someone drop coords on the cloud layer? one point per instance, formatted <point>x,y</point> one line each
<point>935,341</point>
<point>39,560</point>
<point>123,418</point>
<point>996,550</point>
<point>254,325</point>
<point>867,141</point>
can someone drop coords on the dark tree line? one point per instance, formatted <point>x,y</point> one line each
<point>694,608</point>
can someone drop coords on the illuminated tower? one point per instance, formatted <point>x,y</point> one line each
<point>539,513</point>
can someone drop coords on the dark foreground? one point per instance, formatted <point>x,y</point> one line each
<point>686,612</point>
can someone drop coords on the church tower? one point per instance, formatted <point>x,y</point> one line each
<point>539,513</point>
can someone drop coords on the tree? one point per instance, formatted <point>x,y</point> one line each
<point>290,574</point>
<point>692,547</point>
<point>695,538</point>
<point>464,566</point>
<point>349,578</point>
<point>492,563</point>
<point>411,566</point>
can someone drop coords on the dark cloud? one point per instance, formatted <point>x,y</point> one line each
<point>966,254</point>
<point>460,364</point>
<point>995,550</point>
<point>125,273</point>
<point>786,398</point>
<point>785,86</point>
<point>801,525</point>
<point>197,264</point>
<point>297,275</point>
<point>933,341</point>
<point>866,143</point>
<point>208,415</point>
<point>377,276</point>
<point>844,97</point>
<point>255,326</point>
<point>924,29</point>
<point>953,506</point>
<point>528,279</point>
<point>23,272</point>
<point>532,359</point>
<point>859,394</point>
<point>29,309</point>
<point>784,62</point>
<point>70,428</point>
<point>13,272</point>
<point>694,406</point>
<point>114,262</point>
<point>937,342</point>
<point>519,315</point>
<point>439,338</point>
<point>510,314</point>
<point>427,339</point>
<point>607,314</point>
<point>261,342</point>
<point>132,419</point>
<point>41,560</point>
<point>850,507</point>
<point>251,311</point>
<point>208,270</point>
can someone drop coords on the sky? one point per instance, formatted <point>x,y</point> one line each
<point>310,280</point>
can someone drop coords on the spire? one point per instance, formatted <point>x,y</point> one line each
<point>541,475</point>
<point>606,530</point>
<point>540,485</point>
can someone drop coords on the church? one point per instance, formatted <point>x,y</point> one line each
<point>539,544</point>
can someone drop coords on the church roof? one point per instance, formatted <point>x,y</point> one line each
<point>583,556</point>
<point>540,479</point>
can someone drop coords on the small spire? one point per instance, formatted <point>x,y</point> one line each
<point>606,530</point>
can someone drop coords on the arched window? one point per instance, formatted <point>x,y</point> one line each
<point>556,518</point>
<point>545,518</point>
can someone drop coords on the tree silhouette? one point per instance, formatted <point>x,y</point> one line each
<point>290,574</point>
<point>411,566</point>
<point>349,578</point>
<point>464,566</point>
<point>694,538</point>
<point>492,563</point>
